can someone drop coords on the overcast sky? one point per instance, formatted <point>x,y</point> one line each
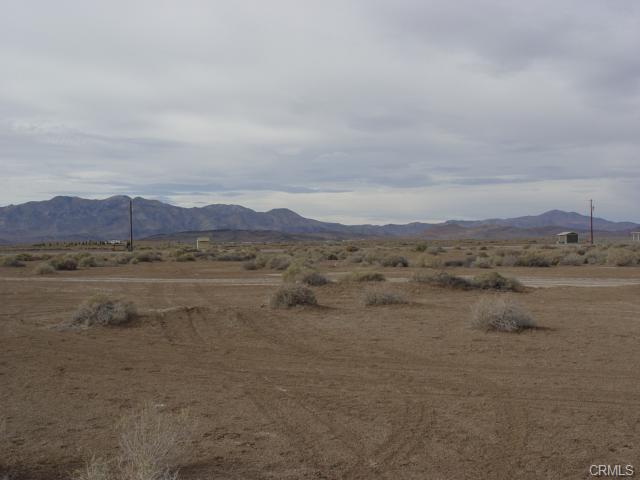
<point>353,111</point>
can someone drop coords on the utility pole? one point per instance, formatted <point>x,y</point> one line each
<point>591,207</point>
<point>131,225</point>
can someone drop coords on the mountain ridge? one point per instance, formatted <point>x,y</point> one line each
<point>75,218</point>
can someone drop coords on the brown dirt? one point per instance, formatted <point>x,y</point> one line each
<point>338,391</point>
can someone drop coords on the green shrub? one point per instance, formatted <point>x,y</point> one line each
<point>291,296</point>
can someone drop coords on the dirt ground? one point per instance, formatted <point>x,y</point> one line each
<point>335,391</point>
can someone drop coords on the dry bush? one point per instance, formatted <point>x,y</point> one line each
<point>421,247</point>
<point>481,263</point>
<point>291,296</point>
<point>147,257</point>
<point>495,281</point>
<point>572,259</point>
<point>95,469</point>
<point>280,262</point>
<point>382,297</point>
<point>235,256</point>
<point>394,261</point>
<point>621,257</point>
<point>443,279</point>
<point>64,263</point>
<point>533,259</point>
<point>12,261</point>
<point>314,279</point>
<point>496,313</point>
<point>101,310</point>
<point>87,262</point>
<point>431,261</point>
<point>435,250</point>
<point>363,277</point>
<point>152,443</point>
<point>186,257</point>
<point>44,269</point>
<point>250,265</point>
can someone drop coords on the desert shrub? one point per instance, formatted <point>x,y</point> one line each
<point>352,248</point>
<point>357,258</point>
<point>620,257</point>
<point>12,261</point>
<point>64,263</point>
<point>443,279</point>
<point>595,257</point>
<point>364,276</point>
<point>87,262</point>
<point>481,263</point>
<point>431,261</point>
<point>382,297</point>
<point>26,257</point>
<point>292,295</point>
<point>280,262</point>
<point>148,257</point>
<point>250,265</point>
<point>572,259</point>
<point>186,257</point>
<point>394,261</point>
<point>496,313</point>
<point>314,279</point>
<point>421,247</point>
<point>533,259</point>
<point>332,256</point>
<point>435,250</point>
<point>123,259</point>
<point>101,310</point>
<point>454,263</point>
<point>495,281</point>
<point>44,269</point>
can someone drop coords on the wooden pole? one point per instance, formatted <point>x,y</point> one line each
<point>131,224</point>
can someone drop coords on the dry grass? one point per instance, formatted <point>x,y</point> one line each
<point>292,295</point>
<point>101,310</point>
<point>151,446</point>
<point>497,313</point>
<point>383,297</point>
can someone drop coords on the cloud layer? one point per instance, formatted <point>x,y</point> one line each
<point>355,111</point>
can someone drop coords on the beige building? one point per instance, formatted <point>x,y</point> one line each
<point>202,243</point>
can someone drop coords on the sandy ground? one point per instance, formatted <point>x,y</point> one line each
<point>336,391</point>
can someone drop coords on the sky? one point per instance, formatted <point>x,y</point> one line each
<point>357,111</point>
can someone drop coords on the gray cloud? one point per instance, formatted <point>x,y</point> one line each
<point>340,110</point>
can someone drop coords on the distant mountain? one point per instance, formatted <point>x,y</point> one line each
<point>73,218</point>
<point>569,220</point>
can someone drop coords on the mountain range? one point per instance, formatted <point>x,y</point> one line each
<point>74,218</point>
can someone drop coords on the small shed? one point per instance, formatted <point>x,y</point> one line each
<point>567,237</point>
<point>202,243</point>
<point>635,236</point>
